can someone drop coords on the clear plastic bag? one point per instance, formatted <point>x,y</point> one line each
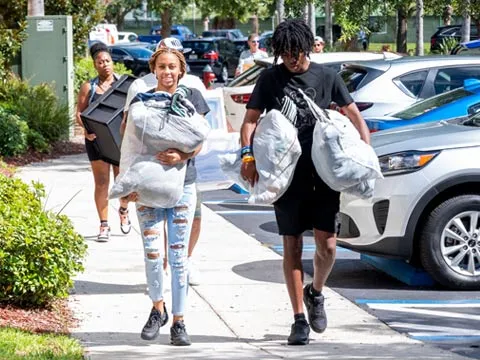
<point>276,149</point>
<point>151,129</point>
<point>341,158</point>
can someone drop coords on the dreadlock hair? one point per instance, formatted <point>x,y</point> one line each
<point>292,37</point>
<point>165,50</point>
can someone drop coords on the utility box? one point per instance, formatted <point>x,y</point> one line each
<point>47,56</point>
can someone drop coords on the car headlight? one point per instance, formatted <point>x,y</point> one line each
<point>405,162</point>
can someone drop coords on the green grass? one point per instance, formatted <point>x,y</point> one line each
<point>378,46</point>
<point>21,345</point>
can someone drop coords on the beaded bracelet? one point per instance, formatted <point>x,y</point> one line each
<point>248,158</point>
<point>246,150</point>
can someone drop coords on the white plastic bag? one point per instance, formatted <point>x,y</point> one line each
<point>151,129</point>
<point>341,158</point>
<point>276,149</point>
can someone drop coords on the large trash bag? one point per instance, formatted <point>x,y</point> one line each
<point>276,149</point>
<point>341,158</point>
<point>158,122</point>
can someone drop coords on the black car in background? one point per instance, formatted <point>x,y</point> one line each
<point>450,31</point>
<point>231,34</point>
<point>134,57</point>
<point>220,53</point>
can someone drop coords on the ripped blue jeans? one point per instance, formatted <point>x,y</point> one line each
<point>179,225</point>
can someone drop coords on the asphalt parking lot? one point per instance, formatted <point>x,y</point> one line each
<point>449,319</point>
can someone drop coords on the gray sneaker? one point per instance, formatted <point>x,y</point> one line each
<point>315,309</point>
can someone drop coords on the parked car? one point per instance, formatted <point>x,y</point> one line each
<point>450,31</point>
<point>231,34</point>
<point>381,87</point>
<point>180,32</point>
<point>451,104</point>
<point>133,57</point>
<point>467,48</point>
<point>242,44</point>
<point>126,37</point>
<point>219,53</point>
<point>237,92</point>
<point>426,210</point>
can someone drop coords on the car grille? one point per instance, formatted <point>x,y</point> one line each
<point>346,226</point>
<point>380,214</point>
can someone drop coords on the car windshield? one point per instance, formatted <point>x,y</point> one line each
<point>432,103</point>
<point>140,52</point>
<point>198,46</point>
<point>249,77</point>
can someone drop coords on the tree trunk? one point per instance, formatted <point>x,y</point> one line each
<point>36,8</point>
<point>280,7</point>
<point>305,13</point>
<point>447,15</point>
<point>311,17</point>
<point>466,21</point>
<point>402,31</point>
<point>419,30</point>
<point>328,24</point>
<point>166,23</point>
<point>255,24</point>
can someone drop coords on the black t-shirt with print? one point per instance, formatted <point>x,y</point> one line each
<point>319,82</point>
<point>201,106</point>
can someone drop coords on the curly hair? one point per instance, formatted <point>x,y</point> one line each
<point>164,50</point>
<point>292,37</point>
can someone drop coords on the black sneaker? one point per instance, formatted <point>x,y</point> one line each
<point>178,334</point>
<point>299,333</point>
<point>316,312</point>
<point>155,321</point>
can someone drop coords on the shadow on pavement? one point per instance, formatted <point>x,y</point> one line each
<point>90,288</point>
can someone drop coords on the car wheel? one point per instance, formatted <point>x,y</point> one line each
<point>224,73</point>
<point>450,243</point>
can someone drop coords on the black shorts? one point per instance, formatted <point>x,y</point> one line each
<point>308,203</point>
<point>93,153</point>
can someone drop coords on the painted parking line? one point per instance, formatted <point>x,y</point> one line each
<point>431,308</point>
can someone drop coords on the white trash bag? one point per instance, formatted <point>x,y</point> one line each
<point>276,149</point>
<point>151,128</point>
<point>341,158</point>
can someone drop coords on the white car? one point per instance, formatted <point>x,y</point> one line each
<point>126,37</point>
<point>426,210</point>
<point>238,91</point>
<point>383,87</point>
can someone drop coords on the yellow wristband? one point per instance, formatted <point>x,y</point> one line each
<point>248,158</point>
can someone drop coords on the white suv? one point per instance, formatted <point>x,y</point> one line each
<point>427,208</point>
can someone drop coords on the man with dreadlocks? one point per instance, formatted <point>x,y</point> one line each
<point>308,202</point>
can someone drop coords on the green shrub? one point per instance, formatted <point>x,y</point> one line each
<point>84,71</point>
<point>39,107</point>
<point>39,251</point>
<point>14,134</point>
<point>38,142</point>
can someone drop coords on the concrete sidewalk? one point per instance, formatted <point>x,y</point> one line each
<point>240,311</point>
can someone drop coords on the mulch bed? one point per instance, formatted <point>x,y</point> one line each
<point>55,318</point>
<point>59,149</point>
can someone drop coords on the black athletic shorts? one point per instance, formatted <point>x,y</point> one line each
<point>93,153</point>
<point>308,203</point>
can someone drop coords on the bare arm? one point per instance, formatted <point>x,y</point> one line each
<point>82,101</point>
<point>352,112</point>
<point>123,125</point>
<point>249,125</point>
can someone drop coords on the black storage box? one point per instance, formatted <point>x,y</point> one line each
<point>104,116</point>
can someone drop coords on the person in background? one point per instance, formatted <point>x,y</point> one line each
<point>169,66</point>
<point>89,92</point>
<point>146,83</point>
<point>318,45</point>
<point>248,57</point>
<point>308,202</point>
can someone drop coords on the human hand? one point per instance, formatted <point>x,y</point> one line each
<point>171,157</point>
<point>133,197</point>
<point>249,173</point>
<point>88,136</point>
